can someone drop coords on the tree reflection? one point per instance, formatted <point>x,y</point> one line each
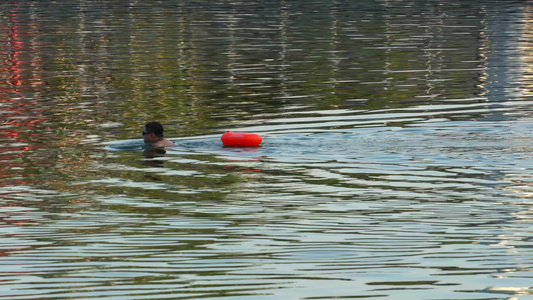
<point>89,71</point>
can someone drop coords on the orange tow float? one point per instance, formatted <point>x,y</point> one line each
<point>241,139</point>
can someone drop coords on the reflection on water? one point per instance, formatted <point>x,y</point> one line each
<point>395,161</point>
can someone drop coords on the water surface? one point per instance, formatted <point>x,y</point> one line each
<point>396,161</point>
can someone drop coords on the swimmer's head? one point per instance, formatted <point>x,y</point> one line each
<point>153,132</point>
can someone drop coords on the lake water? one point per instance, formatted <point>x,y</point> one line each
<point>395,164</point>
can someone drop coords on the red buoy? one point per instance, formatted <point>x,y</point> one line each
<point>241,139</point>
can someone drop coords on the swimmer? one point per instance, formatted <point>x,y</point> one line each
<point>153,136</point>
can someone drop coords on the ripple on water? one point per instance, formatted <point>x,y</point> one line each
<point>395,164</point>
<point>384,210</point>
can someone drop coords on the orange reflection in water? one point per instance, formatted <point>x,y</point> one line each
<point>15,46</point>
<point>20,117</point>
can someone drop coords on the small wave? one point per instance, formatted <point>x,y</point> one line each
<point>129,145</point>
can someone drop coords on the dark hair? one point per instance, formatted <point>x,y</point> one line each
<point>155,128</point>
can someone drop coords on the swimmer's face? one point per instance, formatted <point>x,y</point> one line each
<point>149,137</point>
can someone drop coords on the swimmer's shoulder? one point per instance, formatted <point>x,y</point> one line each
<point>164,143</point>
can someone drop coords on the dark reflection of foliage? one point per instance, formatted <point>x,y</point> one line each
<point>198,70</point>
